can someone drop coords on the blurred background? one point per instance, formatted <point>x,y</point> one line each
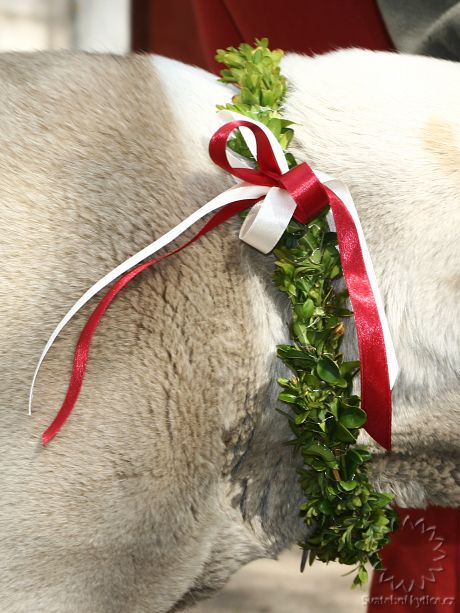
<point>191,30</point>
<point>92,25</point>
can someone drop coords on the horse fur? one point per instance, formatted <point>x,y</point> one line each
<point>172,473</point>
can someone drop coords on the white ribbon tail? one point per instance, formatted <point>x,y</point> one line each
<point>342,191</point>
<point>242,191</point>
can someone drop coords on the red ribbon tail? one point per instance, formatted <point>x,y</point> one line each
<point>375,380</point>
<point>81,353</point>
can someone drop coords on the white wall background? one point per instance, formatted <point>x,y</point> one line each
<point>102,25</point>
<point>92,25</point>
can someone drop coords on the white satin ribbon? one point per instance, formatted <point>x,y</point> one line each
<point>268,219</point>
<point>262,229</point>
<point>242,191</point>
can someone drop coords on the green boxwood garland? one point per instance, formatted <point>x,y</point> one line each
<point>351,521</point>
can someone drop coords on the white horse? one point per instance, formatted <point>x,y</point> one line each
<point>171,473</point>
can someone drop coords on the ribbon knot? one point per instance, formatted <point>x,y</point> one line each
<point>300,182</point>
<point>306,190</point>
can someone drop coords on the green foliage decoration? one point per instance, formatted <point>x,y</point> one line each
<point>350,522</point>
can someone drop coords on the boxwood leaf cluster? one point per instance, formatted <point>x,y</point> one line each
<point>349,521</point>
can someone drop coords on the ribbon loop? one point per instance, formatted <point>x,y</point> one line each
<point>265,157</point>
<point>300,181</point>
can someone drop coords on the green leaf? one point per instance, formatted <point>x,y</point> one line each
<point>297,356</point>
<point>288,398</point>
<point>334,407</point>
<point>328,370</point>
<point>313,381</point>
<point>347,368</point>
<point>300,333</point>
<point>352,417</point>
<point>300,418</point>
<point>326,507</point>
<point>348,486</point>
<point>305,310</point>
<point>341,433</point>
<point>318,465</point>
<point>323,452</point>
<point>362,453</point>
<point>287,267</point>
<point>362,574</point>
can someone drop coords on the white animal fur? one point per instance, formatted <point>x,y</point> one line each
<point>172,474</point>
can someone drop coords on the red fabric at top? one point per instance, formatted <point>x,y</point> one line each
<point>192,30</point>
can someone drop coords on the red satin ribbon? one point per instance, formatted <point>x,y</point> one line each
<point>311,197</point>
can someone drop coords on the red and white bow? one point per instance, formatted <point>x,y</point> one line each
<point>276,194</point>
